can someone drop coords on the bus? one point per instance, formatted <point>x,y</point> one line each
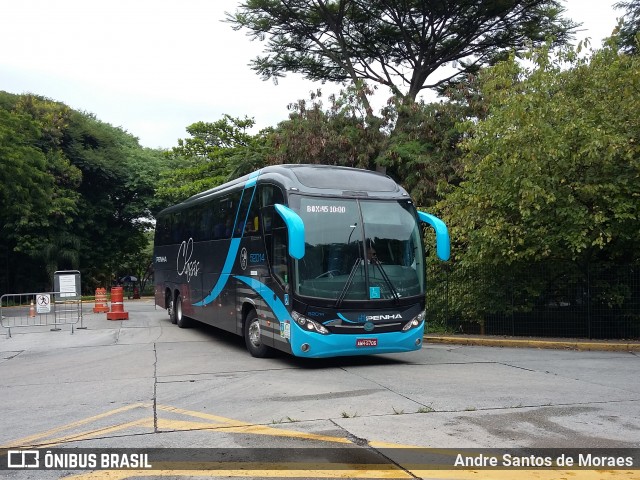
<point>313,260</point>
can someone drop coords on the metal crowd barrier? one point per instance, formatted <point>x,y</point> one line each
<point>39,309</point>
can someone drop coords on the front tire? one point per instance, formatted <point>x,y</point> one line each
<point>253,336</point>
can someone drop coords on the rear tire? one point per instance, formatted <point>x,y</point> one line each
<point>181,320</point>
<point>252,336</point>
<point>171,310</point>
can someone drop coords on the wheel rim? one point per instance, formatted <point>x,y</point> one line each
<point>254,333</point>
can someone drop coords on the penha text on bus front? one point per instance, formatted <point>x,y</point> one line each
<point>313,260</point>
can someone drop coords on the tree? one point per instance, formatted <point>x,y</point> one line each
<point>423,152</point>
<point>550,194</point>
<point>338,135</point>
<point>393,43</point>
<point>216,152</point>
<point>552,172</point>
<point>119,179</point>
<point>75,193</point>
<point>629,35</point>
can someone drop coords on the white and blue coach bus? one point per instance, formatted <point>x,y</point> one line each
<point>313,260</point>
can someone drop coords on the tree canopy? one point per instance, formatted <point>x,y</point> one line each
<point>75,193</point>
<point>393,43</point>
<point>214,153</point>
<point>629,35</point>
<point>552,172</point>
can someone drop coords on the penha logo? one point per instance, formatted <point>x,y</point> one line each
<point>184,264</point>
<point>394,316</point>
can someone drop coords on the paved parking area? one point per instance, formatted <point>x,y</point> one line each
<point>146,383</point>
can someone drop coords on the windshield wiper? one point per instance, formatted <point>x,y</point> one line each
<point>387,280</point>
<point>349,281</point>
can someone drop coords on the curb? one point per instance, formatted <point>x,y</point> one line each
<point>615,346</point>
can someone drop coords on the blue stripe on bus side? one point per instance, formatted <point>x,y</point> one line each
<point>246,217</point>
<point>235,223</point>
<point>280,311</point>
<point>253,178</point>
<point>224,275</point>
<point>234,246</point>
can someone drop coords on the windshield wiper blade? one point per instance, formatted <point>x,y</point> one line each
<point>349,281</point>
<point>387,280</point>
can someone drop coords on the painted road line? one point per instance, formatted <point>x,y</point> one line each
<point>35,439</point>
<point>364,471</point>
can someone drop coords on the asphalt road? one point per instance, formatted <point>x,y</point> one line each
<point>145,383</point>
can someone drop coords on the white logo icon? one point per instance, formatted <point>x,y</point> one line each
<point>243,258</point>
<point>23,459</point>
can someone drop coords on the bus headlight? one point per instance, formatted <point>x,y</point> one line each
<point>414,322</point>
<point>308,324</point>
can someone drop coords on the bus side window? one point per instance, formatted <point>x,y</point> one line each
<point>253,219</point>
<point>268,195</point>
<point>276,244</point>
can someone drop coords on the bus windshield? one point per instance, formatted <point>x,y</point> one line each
<point>357,249</point>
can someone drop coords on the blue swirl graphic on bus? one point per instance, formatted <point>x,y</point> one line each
<point>234,246</point>
<point>268,295</point>
<point>224,276</point>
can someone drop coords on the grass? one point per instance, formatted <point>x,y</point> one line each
<point>425,410</point>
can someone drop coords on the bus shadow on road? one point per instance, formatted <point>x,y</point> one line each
<point>236,343</point>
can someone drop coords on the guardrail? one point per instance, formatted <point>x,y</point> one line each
<point>39,309</point>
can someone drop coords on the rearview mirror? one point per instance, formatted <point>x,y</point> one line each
<point>443,246</point>
<point>295,227</point>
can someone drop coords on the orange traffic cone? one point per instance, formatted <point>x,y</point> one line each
<point>32,310</point>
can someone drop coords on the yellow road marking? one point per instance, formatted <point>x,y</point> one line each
<point>510,474</point>
<point>145,422</point>
<point>278,470</point>
<point>266,471</point>
<point>236,426</point>
<point>32,439</point>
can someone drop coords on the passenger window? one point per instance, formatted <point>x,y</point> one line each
<point>276,244</point>
<point>253,219</point>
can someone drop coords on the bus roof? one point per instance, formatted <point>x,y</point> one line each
<point>313,179</point>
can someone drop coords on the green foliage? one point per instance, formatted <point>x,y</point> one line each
<point>550,179</point>
<point>396,44</point>
<point>629,33</point>
<point>38,181</point>
<point>552,172</point>
<point>215,153</point>
<point>338,136</point>
<point>422,153</point>
<point>75,193</point>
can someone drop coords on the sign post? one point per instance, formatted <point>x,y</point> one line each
<point>67,286</point>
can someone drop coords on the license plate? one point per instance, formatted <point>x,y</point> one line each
<point>366,342</point>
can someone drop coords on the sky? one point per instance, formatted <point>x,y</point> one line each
<point>153,67</point>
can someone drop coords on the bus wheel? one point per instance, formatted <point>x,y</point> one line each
<point>252,336</point>
<point>172,311</point>
<point>181,320</point>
